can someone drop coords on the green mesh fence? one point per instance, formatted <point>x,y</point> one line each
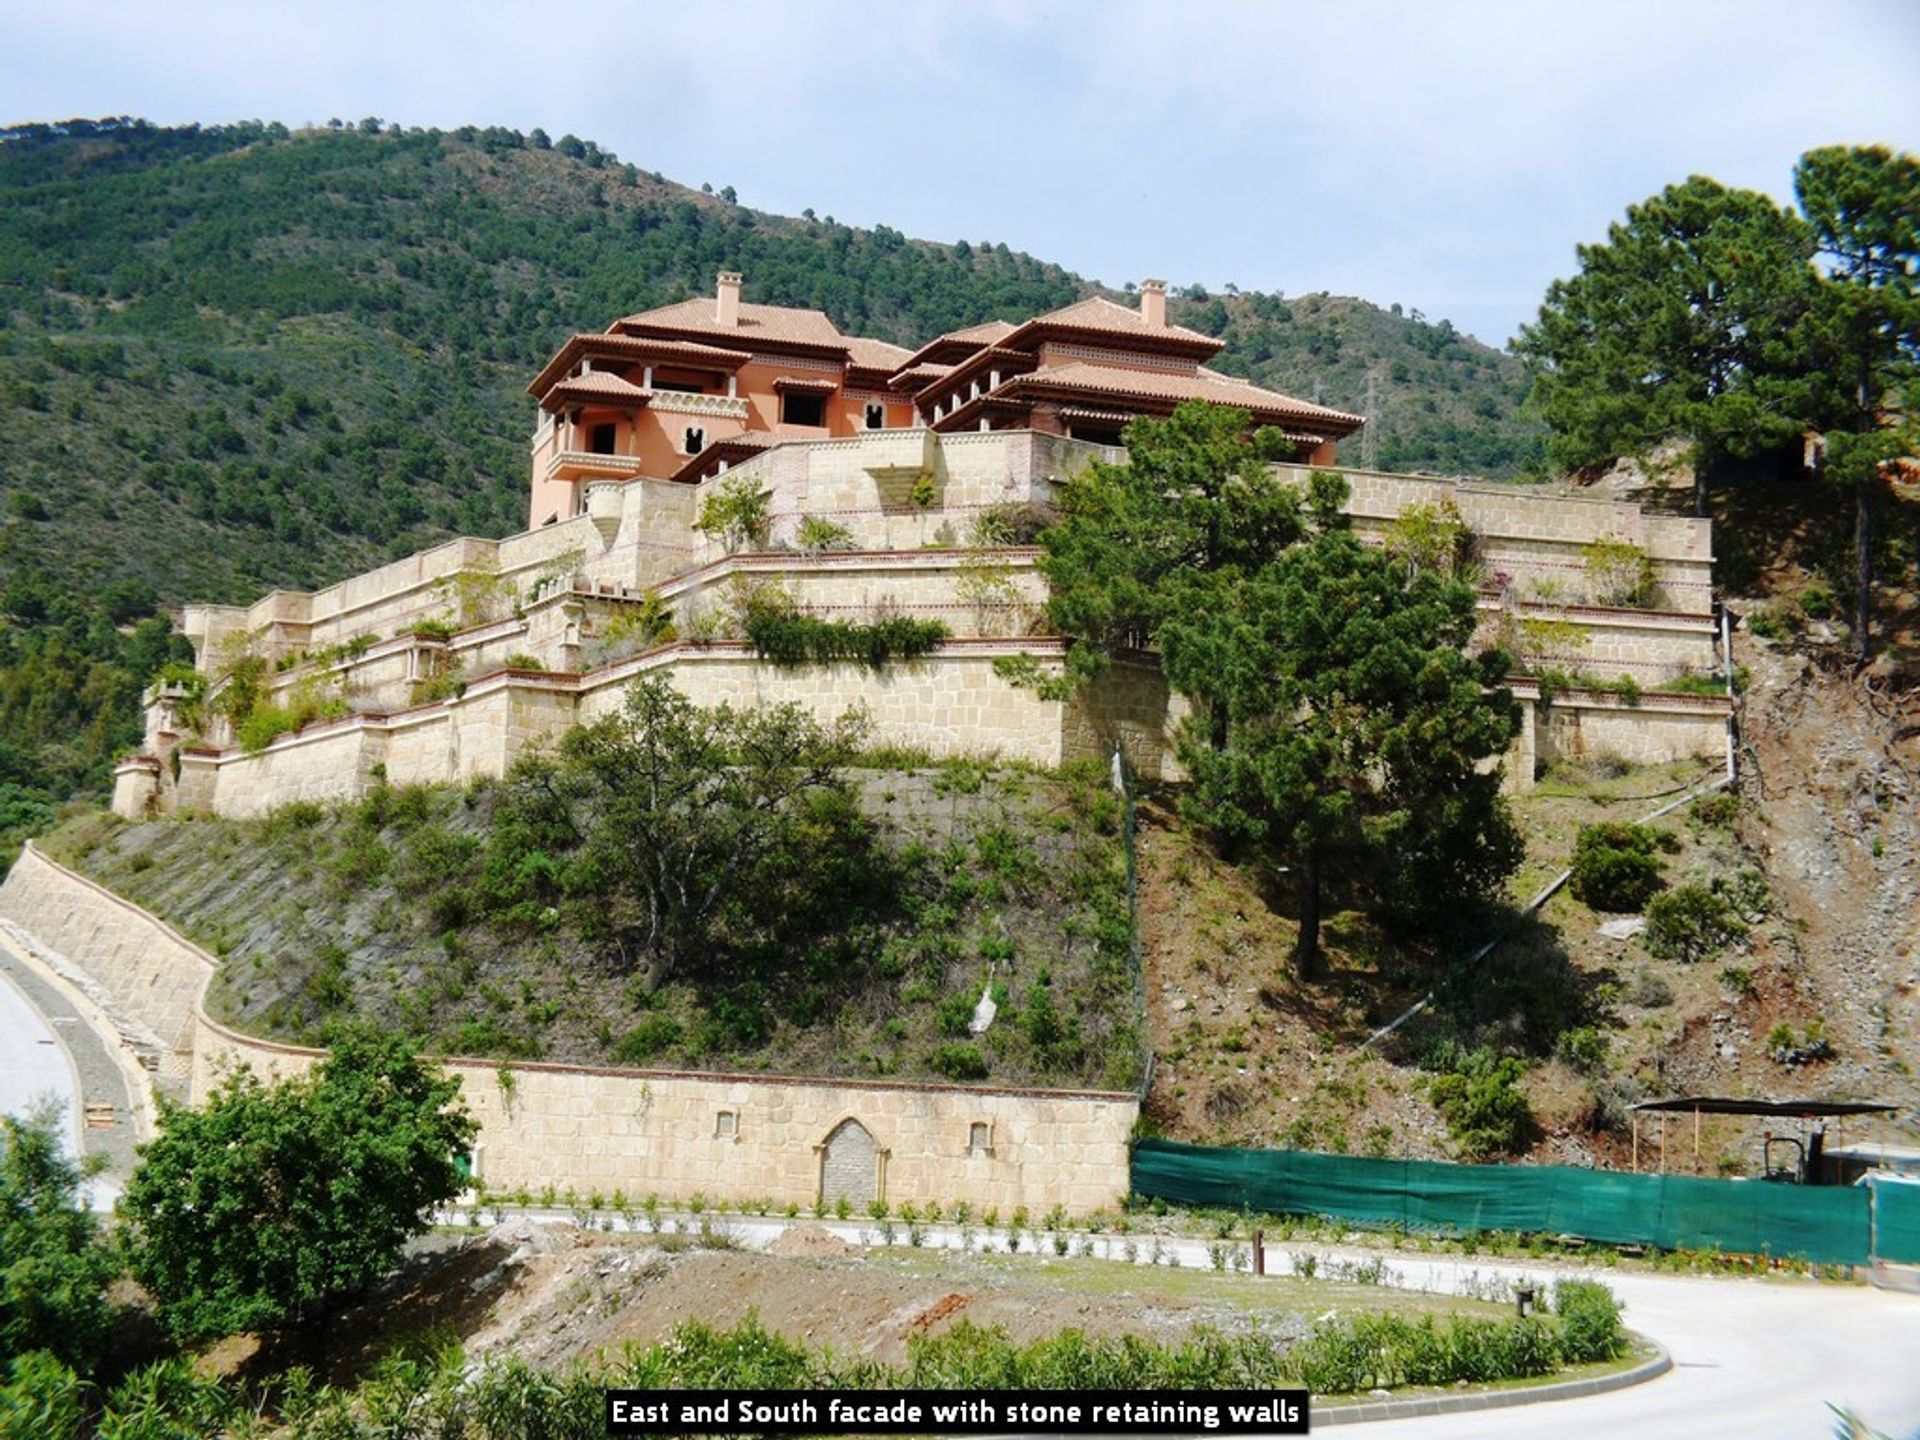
<point>1896,1222</point>
<point>1826,1225</point>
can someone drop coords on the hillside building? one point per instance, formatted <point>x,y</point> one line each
<point>684,391</point>
<point>883,478</point>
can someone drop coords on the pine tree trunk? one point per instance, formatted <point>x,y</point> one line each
<point>1863,528</point>
<point>1306,950</point>
<point>1863,562</point>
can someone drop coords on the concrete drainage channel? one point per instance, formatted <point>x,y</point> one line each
<point>1422,1274</point>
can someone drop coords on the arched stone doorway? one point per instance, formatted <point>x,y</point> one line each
<point>852,1166</point>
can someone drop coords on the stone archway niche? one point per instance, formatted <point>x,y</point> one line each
<point>853,1166</point>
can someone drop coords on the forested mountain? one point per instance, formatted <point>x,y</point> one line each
<point>237,357</point>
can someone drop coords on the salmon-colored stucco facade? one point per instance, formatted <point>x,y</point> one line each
<point>684,391</point>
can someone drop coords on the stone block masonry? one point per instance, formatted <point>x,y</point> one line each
<point>906,502</point>
<point>145,969</point>
<point>675,1134</point>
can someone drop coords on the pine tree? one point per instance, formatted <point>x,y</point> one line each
<point>1691,320</point>
<point>1361,731</point>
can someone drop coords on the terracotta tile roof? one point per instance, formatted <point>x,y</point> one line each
<point>956,345</point>
<point>1159,390</point>
<point>987,334</point>
<point>598,385</point>
<point>876,354</point>
<point>630,347</point>
<point>759,324</point>
<point>1098,314</point>
<point>918,377</point>
<point>731,449</point>
<point>808,384</point>
<point>1202,385</point>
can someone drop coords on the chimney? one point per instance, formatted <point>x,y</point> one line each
<point>1153,303</point>
<point>726,308</point>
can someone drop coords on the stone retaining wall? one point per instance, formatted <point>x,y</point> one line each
<point>145,969</point>
<point>750,1137</point>
<point>670,1133</point>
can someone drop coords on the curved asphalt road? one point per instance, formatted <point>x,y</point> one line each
<point>36,1066</point>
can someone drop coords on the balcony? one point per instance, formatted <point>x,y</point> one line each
<point>899,457</point>
<point>686,402</point>
<point>583,465</point>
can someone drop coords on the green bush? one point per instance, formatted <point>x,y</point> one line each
<point>1011,523</point>
<point>787,637</point>
<point>54,1263</point>
<point>1616,866</point>
<point>1350,1353</point>
<point>1590,1328</point>
<point>1691,922</point>
<point>1747,892</point>
<point>262,726</point>
<point>1584,1048</point>
<point>1484,1110</point>
<point>958,1062</point>
<point>39,1396</point>
<point>737,513</point>
<point>816,534</point>
<point>1716,811</point>
<point>653,1035</point>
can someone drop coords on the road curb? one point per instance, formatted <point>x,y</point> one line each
<point>1658,1364</point>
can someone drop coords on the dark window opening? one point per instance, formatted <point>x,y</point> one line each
<point>679,387</point>
<point>696,439</point>
<point>803,409</point>
<point>876,417</point>
<point>1095,434</point>
<point>602,441</point>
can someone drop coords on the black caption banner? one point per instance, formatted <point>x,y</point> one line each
<point>956,1412</point>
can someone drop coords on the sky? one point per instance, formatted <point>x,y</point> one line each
<point>1446,157</point>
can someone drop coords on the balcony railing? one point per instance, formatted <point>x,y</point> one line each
<point>686,402</point>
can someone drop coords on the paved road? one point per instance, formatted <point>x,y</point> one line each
<point>1751,1358</point>
<point>37,1029</point>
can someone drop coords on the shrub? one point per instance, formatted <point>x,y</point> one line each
<point>1584,1048</point>
<point>262,726</point>
<point>1590,1328</point>
<point>1691,922</point>
<point>1717,811</point>
<point>737,514</point>
<point>1615,865</point>
<point>322,1179</point>
<point>649,1038</point>
<point>1620,573</point>
<point>1011,523</point>
<point>1485,1111</point>
<point>54,1264</point>
<point>1747,892</point>
<point>815,535</point>
<point>1694,685</point>
<point>1649,991</point>
<point>787,637</point>
<point>958,1062</point>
